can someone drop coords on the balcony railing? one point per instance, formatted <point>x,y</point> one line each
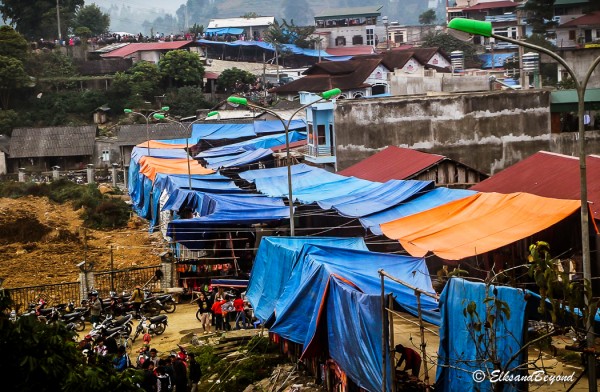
<point>501,18</point>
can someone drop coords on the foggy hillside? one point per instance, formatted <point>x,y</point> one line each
<point>151,16</point>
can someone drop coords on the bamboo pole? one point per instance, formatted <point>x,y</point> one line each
<point>383,335</point>
<point>423,344</point>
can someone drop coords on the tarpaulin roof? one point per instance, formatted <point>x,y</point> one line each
<point>150,167</point>
<point>161,144</point>
<point>392,163</point>
<point>548,174</point>
<point>225,30</point>
<point>307,293</point>
<point>252,144</point>
<point>253,175</point>
<point>376,199</point>
<point>201,202</point>
<point>477,224</point>
<point>273,264</point>
<point>239,159</point>
<point>431,199</point>
<point>460,350</point>
<point>268,46</point>
<point>139,152</point>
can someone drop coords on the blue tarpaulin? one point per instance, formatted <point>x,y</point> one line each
<point>139,152</point>
<point>273,264</point>
<point>460,352</point>
<point>252,144</point>
<point>499,59</point>
<point>431,199</point>
<point>239,159</point>
<point>224,30</point>
<point>253,175</point>
<point>183,198</point>
<point>304,305</point>
<point>267,46</point>
<point>377,199</point>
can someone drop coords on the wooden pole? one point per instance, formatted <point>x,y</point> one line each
<point>384,330</point>
<point>423,344</point>
<point>392,343</point>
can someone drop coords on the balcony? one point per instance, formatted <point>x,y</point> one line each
<point>501,18</point>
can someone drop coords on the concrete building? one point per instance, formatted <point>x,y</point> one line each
<point>251,28</point>
<point>353,26</point>
<point>152,51</point>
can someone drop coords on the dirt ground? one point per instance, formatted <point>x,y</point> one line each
<point>41,242</point>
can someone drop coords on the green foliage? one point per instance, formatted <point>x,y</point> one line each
<point>184,101</point>
<point>428,17</point>
<point>12,78</point>
<point>8,120</point>
<point>37,19</point>
<point>539,15</point>
<point>229,77</point>
<point>108,214</point>
<point>64,107</point>
<point>93,18</point>
<point>566,84</point>
<point>12,44</point>
<point>449,44</point>
<point>249,15</point>
<point>53,66</point>
<point>182,68</point>
<point>289,33</point>
<point>197,29</point>
<point>44,357</point>
<point>134,87</point>
<point>83,32</point>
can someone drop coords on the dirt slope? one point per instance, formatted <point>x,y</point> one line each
<point>41,242</point>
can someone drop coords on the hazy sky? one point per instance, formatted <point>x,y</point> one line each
<point>146,5</point>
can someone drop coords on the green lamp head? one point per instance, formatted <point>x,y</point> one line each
<point>128,111</point>
<point>471,26</point>
<point>165,108</point>
<point>238,100</point>
<point>329,94</point>
<point>212,114</point>
<point>158,116</point>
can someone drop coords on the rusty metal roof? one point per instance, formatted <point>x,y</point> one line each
<point>549,175</point>
<point>149,46</point>
<point>393,163</point>
<point>52,142</point>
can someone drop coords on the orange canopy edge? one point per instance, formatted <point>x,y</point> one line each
<point>157,144</point>
<point>151,166</point>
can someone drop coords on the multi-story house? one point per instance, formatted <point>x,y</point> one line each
<point>249,28</point>
<point>354,26</point>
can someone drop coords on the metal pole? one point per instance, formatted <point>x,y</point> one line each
<point>289,175</point>
<point>423,344</point>
<point>187,150</point>
<point>58,22</point>
<point>383,335</point>
<point>585,230</point>
<point>112,270</point>
<point>392,344</point>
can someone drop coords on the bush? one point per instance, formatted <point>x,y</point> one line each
<point>108,214</point>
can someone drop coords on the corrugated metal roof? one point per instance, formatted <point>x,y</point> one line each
<point>392,163</point>
<point>492,4</point>
<point>241,22</point>
<point>349,11</point>
<point>570,2</point>
<point>134,134</point>
<point>549,175</point>
<point>591,19</point>
<point>52,142</point>
<point>145,47</point>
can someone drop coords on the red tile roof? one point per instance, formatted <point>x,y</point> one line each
<point>549,175</point>
<point>351,50</point>
<point>585,20</point>
<point>393,163</point>
<point>144,47</point>
<point>211,75</point>
<point>491,5</point>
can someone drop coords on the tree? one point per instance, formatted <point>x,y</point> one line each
<point>249,15</point>
<point>230,77</point>
<point>93,18</point>
<point>37,19</point>
<point>55,67</point>
<point>12,78</point>
<point>182,68</point>
<point>540,14</point>
<point>428,17</point>
<point>12,44</point>
<point>289,33</point>
<point>186,100</point>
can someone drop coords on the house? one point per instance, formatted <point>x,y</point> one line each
<point>396,163</point>
<point>353,26</point>
<point>580,32</point>
<point>151,51</point>
<point>249,28</point>
<point>4,146</point>
<point>39,149</point>
<point>357,78</point>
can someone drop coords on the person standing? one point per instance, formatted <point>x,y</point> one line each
<point>195,372</point>
<point>218,312</point>
<point>95,307</point>
<point>240,314</point>
<point>180,375</point>
<point>148,383</point>
<point>205,315</point>
<point>137,298</point>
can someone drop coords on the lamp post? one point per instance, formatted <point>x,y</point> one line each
<point>188,130</point>
<point>147,118</point>
<point>327,95</point>
<point>485,29</point>
<point>386,23</point>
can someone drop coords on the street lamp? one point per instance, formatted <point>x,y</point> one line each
<point>485,29</point>
<point>384,19</point>
<point>147,118</point>
<point>326,95</point>
<point>188,130</point>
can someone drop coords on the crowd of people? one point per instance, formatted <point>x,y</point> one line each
<point>219,309</point>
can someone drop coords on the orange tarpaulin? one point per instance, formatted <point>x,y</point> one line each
<point>477,224</point>
<point>157,144</point>
<point>150,166</point>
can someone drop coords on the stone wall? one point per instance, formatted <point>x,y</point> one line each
<point>487,131</point>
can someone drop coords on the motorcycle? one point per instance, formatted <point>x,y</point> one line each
<point>165,301</point>
<point>111,325</point>
<point>77,319</point>
<point>153,325</point>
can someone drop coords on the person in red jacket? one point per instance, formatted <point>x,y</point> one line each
<point>412,358</point>
<point>218,312</point>
<point>240,314</point>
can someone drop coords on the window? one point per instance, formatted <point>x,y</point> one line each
<point>357,40</point>
<point>340,41</point>
<point>105,155</point>
<point>370,37</point>
<point>399,37</point>
<point>572,35</point>
<point>321,135</point>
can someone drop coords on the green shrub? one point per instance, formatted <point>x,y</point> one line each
<point>109,213</point>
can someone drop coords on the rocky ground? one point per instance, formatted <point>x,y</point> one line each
<point>41,242</point>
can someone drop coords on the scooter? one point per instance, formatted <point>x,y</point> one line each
<point>153,325</point>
